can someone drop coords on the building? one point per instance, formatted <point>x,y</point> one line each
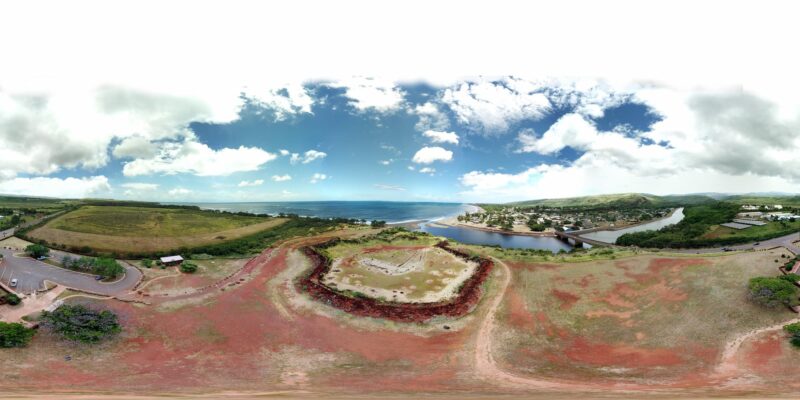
<point>171,261</point>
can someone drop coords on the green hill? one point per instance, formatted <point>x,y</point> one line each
<point>628,200</point>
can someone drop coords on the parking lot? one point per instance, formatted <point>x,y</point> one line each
<point>31,274</point>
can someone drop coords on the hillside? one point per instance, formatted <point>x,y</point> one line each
<point>618,200</point>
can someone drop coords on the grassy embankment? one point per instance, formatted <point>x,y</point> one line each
<point>137,232</point>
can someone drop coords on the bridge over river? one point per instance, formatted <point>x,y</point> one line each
<point>573,238</point>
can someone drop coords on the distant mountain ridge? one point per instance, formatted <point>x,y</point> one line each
<point>637,200</point>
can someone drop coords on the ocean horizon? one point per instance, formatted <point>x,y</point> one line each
<point>393,212</point>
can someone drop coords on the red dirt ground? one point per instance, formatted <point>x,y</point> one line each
<point>171,353</point>
<point>567,299</point>
<point>620,355</point>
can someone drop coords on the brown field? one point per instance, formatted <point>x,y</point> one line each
<point>634,326</point>
<point>146,244</point>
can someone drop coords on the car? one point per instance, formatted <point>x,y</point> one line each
<point>756,243</point>
<point>13,282</point>
<point>98,277</point>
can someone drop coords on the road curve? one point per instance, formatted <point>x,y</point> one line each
<point>31,275</point>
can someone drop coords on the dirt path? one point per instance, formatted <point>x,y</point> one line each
<point>727,365</point>
<point>485,364</point>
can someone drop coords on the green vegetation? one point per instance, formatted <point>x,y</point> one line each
<point>377,224</point>
<point>773,291</point>
<point>794,333</point>
<point>37,250</point>
<point>150,221</point>
<point>15,335</point>
<point>106,267</point>
<point>188,268</point>
<point>12,299</point>
<point>147,263</point>
<point>687,233</point>
<point>82,324</point>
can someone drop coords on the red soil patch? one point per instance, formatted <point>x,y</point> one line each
<point>567,299</point>
<point>468,296</point>
<point>586,280</point>
<point>627,356</point>
<point>763,351</point>
<point>518,314</point>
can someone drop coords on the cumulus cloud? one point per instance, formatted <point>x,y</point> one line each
<point>71,188</point>
<point>317,177</point>
<point>430,117</point>
<point>492,107</point>
<point>197,158</point>
<point>257,182</point>
<point>729,141</point>
<point>428,155</point>
<point>281,178</point>
<point>308,157</point>
<point>441,137</point>
<point>283,101</point>
<point>371,94</point>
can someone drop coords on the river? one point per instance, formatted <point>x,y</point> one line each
<point>610,236</point>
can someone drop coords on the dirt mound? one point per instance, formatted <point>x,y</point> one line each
<point>467,297</point>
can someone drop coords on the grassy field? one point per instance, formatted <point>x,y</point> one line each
<point>756,232</point>
<point>645,316</point>
<point>141,230</point>
<point>170,281</point>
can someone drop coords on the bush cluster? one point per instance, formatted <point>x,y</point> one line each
<point>82,324</point>
<point>14,335</point>
<point>106,267</point>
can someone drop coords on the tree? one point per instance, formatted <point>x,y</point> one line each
<point>15,335</point>
<point>147,263</point>
<point>37,250</point>
<point>378,224</point>
<point>772,292</point>
<point>794,333</point>
<point>107,267</point>
<point>82,324</point>
<point>188,268</point>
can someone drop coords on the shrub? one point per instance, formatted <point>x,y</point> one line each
<point>772,292</point>
<point>188,268</point>
<point>12,299</point>
<point>14,335</point>
<point>82,324</point>
<point>147,263</point>
<point>794,333</point>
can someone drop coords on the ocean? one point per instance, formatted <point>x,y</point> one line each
<point>389,211</point>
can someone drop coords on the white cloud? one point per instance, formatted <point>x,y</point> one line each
<point>389,187</point>
<point>135,147</point>
<point>281,178</point>
<point>430,117</point>
<point>317,177</point>
<point>284,152</point>
<point>56,187</point>
<point>197,158</point>
<point>441,137</point>
<point>140,186</point>
<point>371,94</point>
<point>308,157</point>
<point>427,155</point>
<point>427,170</point>
<point>257,182</point>
<point>492,107</point>
<point>386,162</point>
<point>284,101</point>
<point>179,191</point>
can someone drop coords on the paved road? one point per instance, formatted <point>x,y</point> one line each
<point>31,275</point>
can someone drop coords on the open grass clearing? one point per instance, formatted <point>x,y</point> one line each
<point>646,316</point>
<point>147,230</point>
<point>171,281</point>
